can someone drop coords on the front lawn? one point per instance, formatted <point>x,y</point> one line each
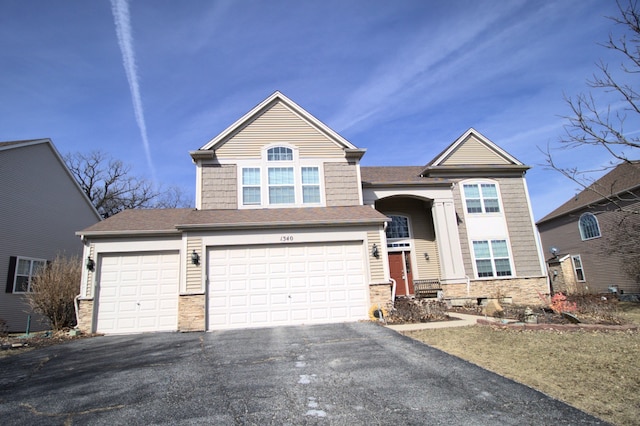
<point>597,372</point>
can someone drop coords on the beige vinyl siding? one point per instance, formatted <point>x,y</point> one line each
<point>194,272</point>
<point>341,184</point>
<point>219,186</point>
<point>422,232</point>
<point>376,266</point>
<point>279,125</point>
<point>472,151</point>
<point>41,208</point>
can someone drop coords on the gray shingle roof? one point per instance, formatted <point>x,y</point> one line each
<point>624,177</point>
<point>407,175</point>
<point>173,221</point>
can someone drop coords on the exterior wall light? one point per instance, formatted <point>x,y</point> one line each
<point>90,263</point>
<point>195,258</point>
<point>426,256</point>
<point>374,251</point>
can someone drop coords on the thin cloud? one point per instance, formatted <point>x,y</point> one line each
<point>120,9</point>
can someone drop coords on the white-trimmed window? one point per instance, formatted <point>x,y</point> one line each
<point>397,231</point>
<point>24,269</point>
<point>589,227</point>
<point>310,185</point>
<point>251,186</point>
<point>492,258</point>
<point>281,185</point>
<point>481,197</point>
<point>577,267</point>
<point>280,178</point>
<point>398,228</point>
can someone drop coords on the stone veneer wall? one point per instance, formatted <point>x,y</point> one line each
<point>380,294</point>
<point>85,314</point>
<point>191,312</point>
<point>523,291</point>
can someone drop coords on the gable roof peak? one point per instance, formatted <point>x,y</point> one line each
<point>277,97</point>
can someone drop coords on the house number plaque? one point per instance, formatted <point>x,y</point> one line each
<point>286,238</point>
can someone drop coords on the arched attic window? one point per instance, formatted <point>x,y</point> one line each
<point>589,227</point>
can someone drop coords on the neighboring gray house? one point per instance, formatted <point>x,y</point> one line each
<point>580,236</point>
<point>41,207</point>
<point>290,229</point>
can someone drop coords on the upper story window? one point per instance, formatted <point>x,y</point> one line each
<point>398,227</point>
<point>251,186</point>
<point>589,227</point>
<point>280,153</point>
<point>25,270</point>
<point>481,197</point>
<point>492,258</point>
<point>280,178</point>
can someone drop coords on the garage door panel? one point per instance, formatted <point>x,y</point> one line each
<point>288,284</point>
<point>138,292</point>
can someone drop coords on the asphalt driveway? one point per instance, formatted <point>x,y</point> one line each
<point>343,374</point>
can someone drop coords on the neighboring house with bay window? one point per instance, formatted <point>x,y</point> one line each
<point>289,229</point>
<point>588,237</point>
<point>41,207</point>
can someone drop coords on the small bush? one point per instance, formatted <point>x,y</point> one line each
<point>416,310</point>
<point>54,288</point>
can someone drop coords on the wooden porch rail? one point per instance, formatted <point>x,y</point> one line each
<point>427,288</point>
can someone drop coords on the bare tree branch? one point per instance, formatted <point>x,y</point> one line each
<point>110,186</point>
<point>590,125</point>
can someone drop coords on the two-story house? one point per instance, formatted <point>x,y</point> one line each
<point>41,208</point>
<point>290,229</point>
<point>592,239</point>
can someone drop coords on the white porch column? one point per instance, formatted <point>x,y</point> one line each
<point>446,227</point>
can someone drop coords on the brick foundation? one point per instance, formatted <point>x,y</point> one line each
<point>85,314</point>
<point>191,312</point>
<point>522,291</point>
<point>379,294</point>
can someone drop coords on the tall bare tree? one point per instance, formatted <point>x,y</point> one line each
<point>594,125</point>
<point>111,186</point>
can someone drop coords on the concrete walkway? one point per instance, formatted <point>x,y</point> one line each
<point>462,320</point>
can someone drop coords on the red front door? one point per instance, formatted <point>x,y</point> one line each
<point>400,270</point>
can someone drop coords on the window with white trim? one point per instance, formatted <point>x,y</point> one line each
<point>577,267</point>
<point>25,269</point>
<point>251,186</point>
<point>310,185</point>
<point>280,178</point>
<point>398,227</point>
<point>281,185</point>
<point>589,227</point>
<point>481,197</point>
<point>492,258</point>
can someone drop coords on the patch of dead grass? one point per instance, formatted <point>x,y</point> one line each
<point>597,372</point>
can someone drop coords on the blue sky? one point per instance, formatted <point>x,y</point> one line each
<point>402,79</point>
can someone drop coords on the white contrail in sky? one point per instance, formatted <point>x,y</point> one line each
<point>120,9</point>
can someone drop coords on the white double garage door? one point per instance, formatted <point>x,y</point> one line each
<point>248,286</point>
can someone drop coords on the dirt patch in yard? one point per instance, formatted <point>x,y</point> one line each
<point>595,371</point>
<point>17,344</point>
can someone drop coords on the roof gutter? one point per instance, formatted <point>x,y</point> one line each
<point>280,224</point>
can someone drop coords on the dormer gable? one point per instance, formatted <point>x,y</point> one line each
<point>473,153</point>
<point>278,120</point>
<point>277,156</point>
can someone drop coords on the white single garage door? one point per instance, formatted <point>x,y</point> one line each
<point>138,292</point>
<point>260,286</point>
